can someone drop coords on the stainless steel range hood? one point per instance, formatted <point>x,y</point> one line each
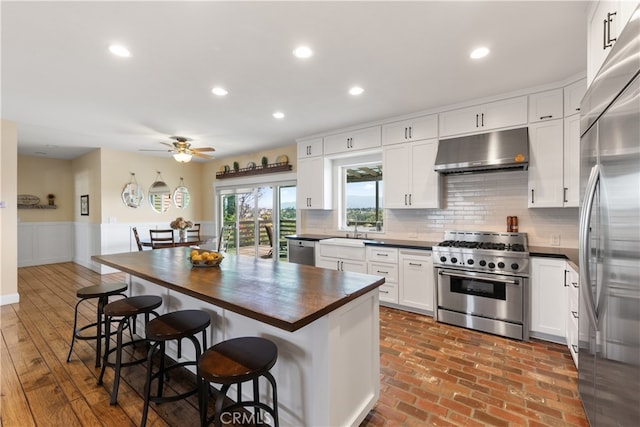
<point>495,151</point>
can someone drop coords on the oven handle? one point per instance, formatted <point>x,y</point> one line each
<point>477,276</point>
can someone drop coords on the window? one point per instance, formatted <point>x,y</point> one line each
<point>362,197</point>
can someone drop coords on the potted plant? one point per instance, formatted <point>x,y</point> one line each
<point>52,199</point>
<point>265,161</point>
<point>236,166</point>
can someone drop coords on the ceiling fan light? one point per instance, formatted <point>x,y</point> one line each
<point>182,157</point>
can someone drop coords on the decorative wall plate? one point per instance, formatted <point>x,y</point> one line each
<point>283,158</point>
<point>251,165</point>
<point>28,199</point>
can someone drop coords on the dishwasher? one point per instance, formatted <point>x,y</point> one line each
<point>302,251</point>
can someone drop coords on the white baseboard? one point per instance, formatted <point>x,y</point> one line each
<point>9,299</point>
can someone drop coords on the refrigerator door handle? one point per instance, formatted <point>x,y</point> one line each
<point>585,216</point>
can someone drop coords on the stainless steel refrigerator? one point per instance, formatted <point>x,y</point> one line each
<point>609,317</point>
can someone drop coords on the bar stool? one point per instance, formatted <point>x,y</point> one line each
<point>125,310</point>
<point>172,326</point>
<point>233,362</point>
<point>102,292</point>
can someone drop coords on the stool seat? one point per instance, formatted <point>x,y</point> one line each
<point>102,291</point>
<point>238,360</point>
<point>133,305</point>
<point>178,325</point>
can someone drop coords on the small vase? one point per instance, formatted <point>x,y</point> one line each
<point>183,234</point>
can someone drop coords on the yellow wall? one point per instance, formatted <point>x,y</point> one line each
<point>8,213</point>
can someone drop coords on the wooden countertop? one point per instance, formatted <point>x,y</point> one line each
<point>285,295</point>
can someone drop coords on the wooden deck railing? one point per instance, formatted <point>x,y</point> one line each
<point>248,239</point>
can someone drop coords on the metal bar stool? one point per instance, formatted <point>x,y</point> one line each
<point>233,362</point>
<point>172,326</point>
<point>124,310</point>
<point>102,292</point>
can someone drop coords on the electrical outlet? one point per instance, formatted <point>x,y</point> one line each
<point>555,240</point>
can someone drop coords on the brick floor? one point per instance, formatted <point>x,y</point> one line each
<point>440,375</point>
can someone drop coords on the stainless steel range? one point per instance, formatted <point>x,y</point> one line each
<point>482,282</point>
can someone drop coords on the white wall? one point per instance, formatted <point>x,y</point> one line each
<point>8,213</point>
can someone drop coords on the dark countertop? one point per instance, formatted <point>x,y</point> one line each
<point>570,254</point>
<point>285,295</point>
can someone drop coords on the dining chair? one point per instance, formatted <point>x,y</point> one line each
<point>194,231</point>
<point>269,231</point>
<point>137,237</point>
<point>162,238</point>
<point>223,238</point>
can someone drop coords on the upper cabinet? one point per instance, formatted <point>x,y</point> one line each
<point>545,106</point>
<point>425,127</point>
<point>607,19</point>
<point>545,164</point>
<point>346,142</point>
<point>484,117</point>
<point>314,183</point>
<point>310,148</point>
<point>573,95</point>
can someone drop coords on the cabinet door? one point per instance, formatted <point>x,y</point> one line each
<point>410,130</point>
<point>506,113</point>
<point>314,183</point>
<point>352,265</point>
<point>396,175</point>
<point>387,270</point>
<point>328,263</point>
<point>356,140</point>
<point>546,105</point>
<point>460,121</point>
<point>545,164</point>
<point>548,298</point>
<point>310,148</point>
<point>425,182</point>
<point>602,29</point>
<point>573,95</point>
<point>571,168</point>
<point>416,280</point>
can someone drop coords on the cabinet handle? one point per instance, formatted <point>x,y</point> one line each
<point>308,149</point>
<point>341,265</point>
<point>409,132</point>
<point>532,196</point>
<point>564,194</point>
<point>482,122</point>
<point>405,133</point>
<point>574,284</point>
<point>608,41</point>
<point>575,349</point>
<point>405,200</point>
<point>415,264</point>
<point>338,265</point>
<point>377,254</point>
<point>409,199</point>
<point>477,120</point>
<point>565,278</point>
<point>383,272</point>
<point>546,117</point>
<point>574,314</point>
<point>383,292</point>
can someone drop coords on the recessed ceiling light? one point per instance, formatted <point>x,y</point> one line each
<point>302,52</point>
<point>480,52</point>
<point>278,115</point>
<point>220,91</point>
<point>119,50</point>
<point>356,90</point>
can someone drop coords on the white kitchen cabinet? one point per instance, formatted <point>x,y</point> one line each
<point>416,283</point>
<point>547,105</point>
<point>347,142</point>
<point>410,181</point>
<point>545,164</point>
<point>548,299</point>
<point>572,287</point>
<point>382,261</point>
<point>425,127</point>
<point>494,115</point>
<point>607,19</point>
<point>573,95</point>
<point>310,148</point>
<point>314,183</point>
<point>571,162</point>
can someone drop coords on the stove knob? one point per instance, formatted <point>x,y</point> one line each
<point>492,265</point>
<point>454,260</point>
<point>443,259</point>
<point>515,266</point>
<point>483,263</point>
<point>501,265</point>
<point>470,261</point>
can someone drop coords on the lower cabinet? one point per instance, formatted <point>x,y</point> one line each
<point>548,299</point>
<point>384,262</point>
<point>341,258</point>
<point>341,264</point>
<point>416,279</point>
<point>573,304</point>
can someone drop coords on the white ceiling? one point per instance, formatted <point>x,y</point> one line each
<point>69,95</point>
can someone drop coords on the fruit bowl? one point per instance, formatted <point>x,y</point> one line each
<point>204,258</point>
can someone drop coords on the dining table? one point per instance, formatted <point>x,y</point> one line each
<point>187,241</point>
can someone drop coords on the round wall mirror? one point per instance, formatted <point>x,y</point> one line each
<point>181,196</point>
<point>132,193</point>
<point>160,195</point>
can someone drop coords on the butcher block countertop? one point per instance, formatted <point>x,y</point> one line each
<point>284,295</point>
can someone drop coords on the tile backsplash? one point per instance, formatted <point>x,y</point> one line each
<point>481,202</point>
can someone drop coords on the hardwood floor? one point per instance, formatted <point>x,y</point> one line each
<point>431,374</point>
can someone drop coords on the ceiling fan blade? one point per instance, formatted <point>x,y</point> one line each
<point>202,156</point>
<point>163,151</point>
<point>202,149</point>
<point>167,144</point>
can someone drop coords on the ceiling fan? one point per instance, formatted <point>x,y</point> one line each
<point>182,151</point>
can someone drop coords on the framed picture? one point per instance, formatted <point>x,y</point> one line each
<point>84,204</point>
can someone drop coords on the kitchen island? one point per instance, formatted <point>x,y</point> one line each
<point>324,322</point>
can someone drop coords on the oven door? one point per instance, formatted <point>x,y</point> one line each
<point>488,295</point>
